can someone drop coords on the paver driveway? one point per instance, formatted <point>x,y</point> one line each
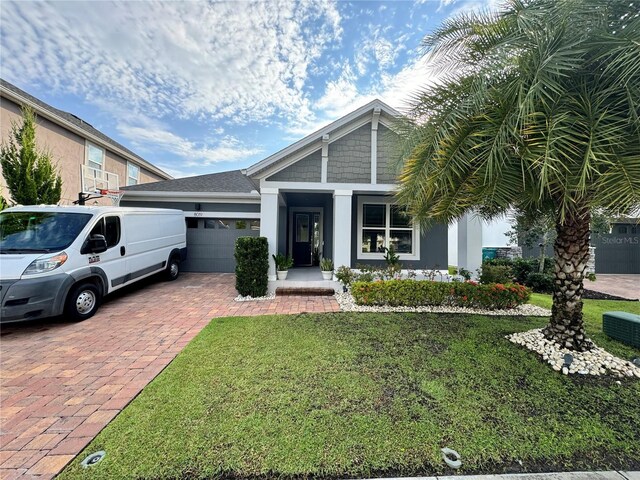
<point>61,383</point>
<point>621,285</point>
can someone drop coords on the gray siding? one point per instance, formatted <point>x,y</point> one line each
<point>192,206</point>
<point>350,157</point>
<point>309,169</point>
<point>387,155</point>
<point>433,246</point>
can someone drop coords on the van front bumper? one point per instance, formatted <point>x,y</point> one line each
<point>29,299</point>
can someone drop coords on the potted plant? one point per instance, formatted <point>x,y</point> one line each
<point>326,265</point>
<point>283,264</point>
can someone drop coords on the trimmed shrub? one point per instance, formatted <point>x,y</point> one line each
<point>496,273</point>
<point>415,293</point>
<point>523,271</point>
<point>540,282</point>
<point>252,266</point>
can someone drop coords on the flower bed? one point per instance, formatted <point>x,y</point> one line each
<point>415,293</point>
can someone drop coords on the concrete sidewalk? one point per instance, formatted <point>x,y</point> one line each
<point>612,475</point>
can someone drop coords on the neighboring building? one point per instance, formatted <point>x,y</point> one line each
<point>625,226</point>
<point>619,250</point>
<point>73,143</point>
<point>329,193</point>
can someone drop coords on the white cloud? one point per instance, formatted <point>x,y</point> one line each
<point>148,135</point>
<point>471,6</point>
<point>239,61</point>
<point>343,95</point>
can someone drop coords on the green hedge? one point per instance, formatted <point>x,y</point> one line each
<point>415,293</point>
<point>524,271</point>
<point>540,282</point>
<point>252,266</point>
<point>495,274</point>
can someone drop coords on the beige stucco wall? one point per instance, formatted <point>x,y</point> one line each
<point>66,148</point>
<point>67,151</point>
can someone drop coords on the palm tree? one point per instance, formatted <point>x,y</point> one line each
<point>538,111</point>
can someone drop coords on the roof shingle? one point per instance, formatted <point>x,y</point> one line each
<point>233,181</point>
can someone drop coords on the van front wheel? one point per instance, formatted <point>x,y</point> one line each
<point>83,301</point>
<point>173,269</point>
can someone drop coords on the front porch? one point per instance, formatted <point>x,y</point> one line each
<point>304,277</point>
<point>306,226</point>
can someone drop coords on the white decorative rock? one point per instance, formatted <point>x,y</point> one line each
<point>595,362</point>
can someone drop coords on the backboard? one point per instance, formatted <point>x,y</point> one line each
<point>99,183</point>
<point>94,180</point>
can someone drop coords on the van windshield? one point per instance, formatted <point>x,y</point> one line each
<point>39,232</point>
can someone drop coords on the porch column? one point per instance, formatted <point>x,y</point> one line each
<point>470,243</point>
<point>269,223</point>
<point>342,228</point>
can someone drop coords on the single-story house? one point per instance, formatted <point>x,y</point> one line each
<point>327,195</point>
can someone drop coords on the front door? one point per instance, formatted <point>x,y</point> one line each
<point>302,239</point>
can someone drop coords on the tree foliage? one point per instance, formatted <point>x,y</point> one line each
<point>538,111</point>
<point>31,177</point>
<point>534,228</point>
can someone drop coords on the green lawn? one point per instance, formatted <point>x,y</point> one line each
<point>358,395</point>
<point>592,315</point>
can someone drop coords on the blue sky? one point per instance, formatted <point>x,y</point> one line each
<point>202,87</point>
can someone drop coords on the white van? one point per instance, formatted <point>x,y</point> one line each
<point>62,260</point>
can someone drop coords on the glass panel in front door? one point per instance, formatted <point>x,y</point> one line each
<point>302,227</point>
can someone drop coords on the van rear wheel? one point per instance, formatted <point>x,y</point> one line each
<point>173,269</point>
<point>83,301</point>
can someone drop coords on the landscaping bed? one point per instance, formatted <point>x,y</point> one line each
<point>348,304</point>
<point>595,295</point>
<point>356,395</point>
<point>592,316</point>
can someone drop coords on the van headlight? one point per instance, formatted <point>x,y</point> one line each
<point>46,264</point>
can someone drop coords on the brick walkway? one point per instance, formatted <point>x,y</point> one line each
<point>61,383</point>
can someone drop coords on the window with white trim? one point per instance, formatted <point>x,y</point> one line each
<point>381,224</point>
<point>133,173</point>
<point>94,156</point>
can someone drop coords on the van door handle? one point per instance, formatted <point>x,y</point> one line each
<point>122,251</point>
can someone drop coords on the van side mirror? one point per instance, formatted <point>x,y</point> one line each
<point>94,244</point>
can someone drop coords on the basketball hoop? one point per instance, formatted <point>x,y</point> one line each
<point>95,183</point>
<point>114,195</point>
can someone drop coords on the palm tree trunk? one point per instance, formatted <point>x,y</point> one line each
<point>571,250</point>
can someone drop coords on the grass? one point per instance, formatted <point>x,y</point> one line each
<point>592,315</point>
<point>360,395</point>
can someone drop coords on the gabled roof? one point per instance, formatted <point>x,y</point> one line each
<point>70,121</point>
<point>318,134</point>
<point>224,182</point>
